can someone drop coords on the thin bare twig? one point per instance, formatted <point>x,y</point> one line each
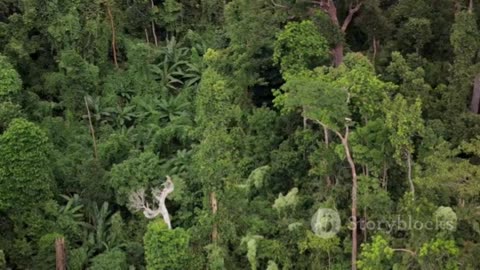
<point>92,130</point>
<point>114,38</point>
<point>405,250</point>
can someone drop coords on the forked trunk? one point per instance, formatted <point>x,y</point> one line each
<point>328,6</point>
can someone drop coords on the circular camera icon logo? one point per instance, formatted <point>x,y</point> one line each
<point>326,223</point>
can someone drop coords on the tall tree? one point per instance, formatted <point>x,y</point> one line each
<point>25,173</point>
<point>216,157</point>
<point>405,122</point>
<point>330,8</point>
<point>465,42</point>
<point>331,98</point>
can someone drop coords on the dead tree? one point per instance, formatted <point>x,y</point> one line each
<point>138,202</point>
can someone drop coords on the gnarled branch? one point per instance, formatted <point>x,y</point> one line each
<point>138,202</point>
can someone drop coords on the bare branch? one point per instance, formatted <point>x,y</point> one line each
<point>160,195</point>
<point>351,12</point>
<point>347,132</point>
<point>92,130</point>
<point>138,203</point>
<point>137,200</point>
<point>278,5</point>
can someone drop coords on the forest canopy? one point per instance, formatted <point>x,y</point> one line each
<point>240,134</point>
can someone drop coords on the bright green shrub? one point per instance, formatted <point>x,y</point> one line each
<point>164,248</point>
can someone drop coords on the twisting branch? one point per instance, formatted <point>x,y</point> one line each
<point>138,202</point>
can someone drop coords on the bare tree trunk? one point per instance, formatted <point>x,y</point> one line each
<point>60,255</point>
<point>214,205</point>
<point>326,136</point>
<point>384,178</point>
<point>327,142</point>
<point>338,55</point>
<point>146,35</point>
<point>161,197</point>
<point>470,6</point>
<point>112,26</point>
<point>154,31</point>
<point>329,7</point>
<point>475,103</point>
<point>92,130</point>
<point>410,180</point>
<point>353,169</point>
<point>365,218</point>
<point>354,201</point>
<point>374,58</point>
<point>351,163</point>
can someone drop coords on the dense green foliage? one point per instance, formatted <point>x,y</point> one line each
<point>264,113</point>
<point>26,175</point>
<point>164,248</point>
